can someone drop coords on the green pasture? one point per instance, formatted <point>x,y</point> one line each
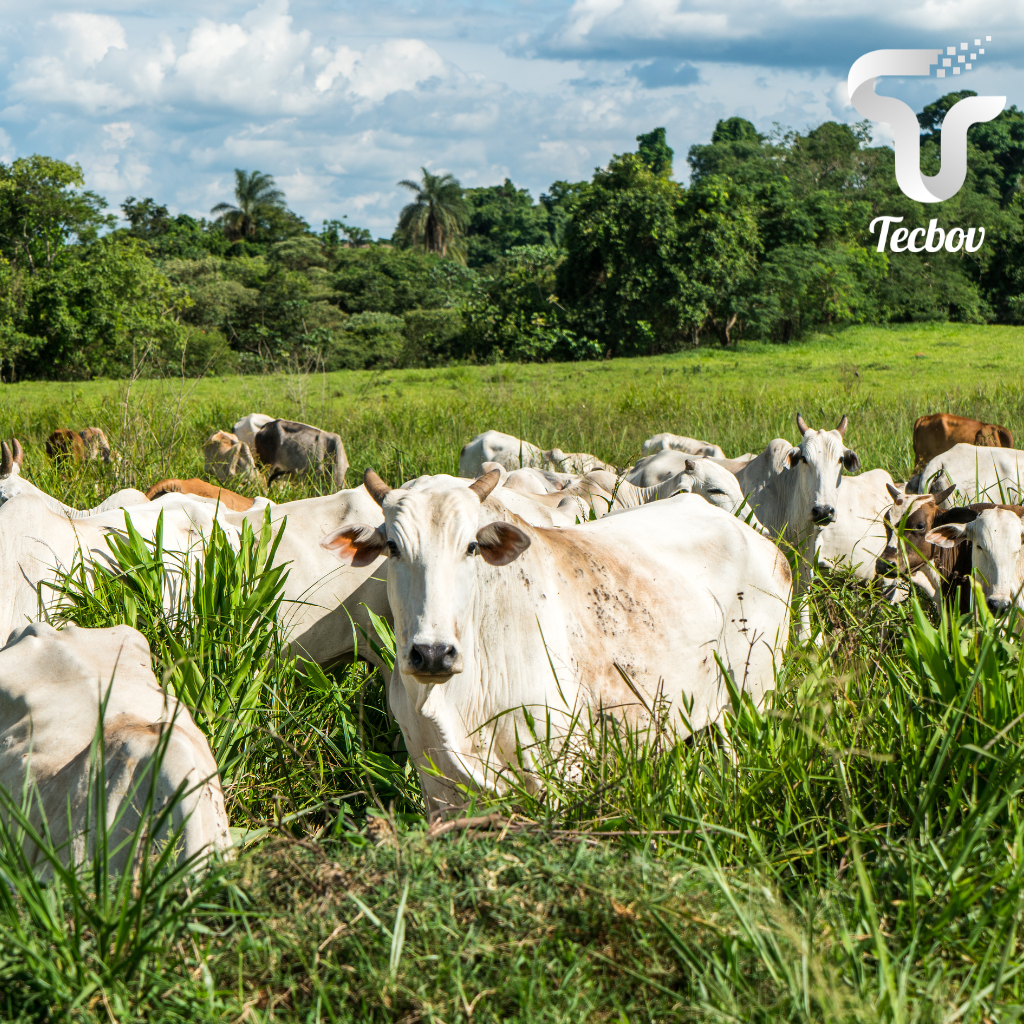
<point>407,422</point>
<point>853,851</point>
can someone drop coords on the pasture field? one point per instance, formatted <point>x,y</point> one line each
<point>855,853</point>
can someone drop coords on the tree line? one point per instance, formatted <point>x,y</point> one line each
<point>771,238</point>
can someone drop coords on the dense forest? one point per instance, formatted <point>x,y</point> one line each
<point>769,239</point>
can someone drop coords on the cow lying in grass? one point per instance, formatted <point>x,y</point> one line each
<point>202,489</point>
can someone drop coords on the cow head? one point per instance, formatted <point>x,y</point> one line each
<point>909,519</point>
<point>11,482</point>
<point>995,536</point>
<point>434,541</point>
<point>820,459</point>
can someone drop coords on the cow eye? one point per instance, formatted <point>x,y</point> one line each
<point>715,490</point>
<point>473,549</point>
<point>392,549</point>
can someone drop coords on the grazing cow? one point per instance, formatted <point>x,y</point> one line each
<point>795,491</point>
<point>510,452</point>
<point>65,444</point>
<point>52,685</point>
<point>248,426</point>
<point>938,432</point>
<point>225,457</point>
<point>499,624</point>
<point>994,540</point>
<point>689,445</point>
<point>978,473</point>
<point>858,534</point>
<point>12,484</point>
<point>96,444</point>
<point>289,447</point>
<point>940,572</point>
<point>532,481</point>
<point>200,488</point>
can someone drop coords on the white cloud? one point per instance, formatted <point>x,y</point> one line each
<point>118,134</point>
<point>88,37</point>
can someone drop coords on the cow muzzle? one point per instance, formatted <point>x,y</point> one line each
<point>998,605</point>
<point>434,660</point>
<point>823,515</point>
<point>883,567</point>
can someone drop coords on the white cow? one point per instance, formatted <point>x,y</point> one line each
<point>493,616</point>
<point>12,483</point>
<point>689,445</point>
<point>51,687</point>
<point>225,456</point>
<point>795,492</point>
<point>995,537</point>
<point>858,533</point>
<point>979,474</point>
<point>248,427</point>
<point>510,452</point>
<point>37,544</point>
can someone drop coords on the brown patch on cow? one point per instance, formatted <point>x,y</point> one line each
<point>65,444</point>
<point>202,489</point>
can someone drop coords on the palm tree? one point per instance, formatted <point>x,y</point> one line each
<point>437,216</point>
<point>256,195</point>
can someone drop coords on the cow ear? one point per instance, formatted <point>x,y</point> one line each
<point>796,457</point>
<point>690,465</point>
<point>851,462</point>
<point>501,543</point>
<point>356,544</point>
<point>894,492</point>
<point>946,536</point>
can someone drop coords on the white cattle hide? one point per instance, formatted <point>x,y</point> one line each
<point>858,534</point>
<point>37,543</point>
<point>248,427</point>
<point>510,452</point>
<point>492,615</point>
<point>689,445</point>
<point>979,474</point>
<point>51,687</point>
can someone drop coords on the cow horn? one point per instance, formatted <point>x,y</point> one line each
<point>19,455</point>
<point>802,424</point>
<point>6,459</point>
<point>690,465</point>
<point>843,424</point>
<point>376,487</point>
<point>483,485</point>
<point>893,492</point>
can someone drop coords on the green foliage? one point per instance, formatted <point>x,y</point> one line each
<point>437,218</point>
<point>503,218</point>
<point>656,152</point>
<point>367,341</point>
<point>258,205</point>
<point>378,278</point>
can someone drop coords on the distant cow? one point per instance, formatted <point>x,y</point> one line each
<point>689,445</point>
<point>83,446</point>
<point>200,488</point>
<point>978,472</point>
<point>246,428</point>
<point>512,453</point>
<point>938,432</point>
<point>225,456</point>
<point>65,444</point>
<point>53,685</point>
<point>288,447</point>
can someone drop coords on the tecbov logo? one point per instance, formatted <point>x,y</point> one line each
<point>906,131</point>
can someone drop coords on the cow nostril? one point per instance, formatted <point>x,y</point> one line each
<point>432,659</point>
<point>996,606</point>
<point>823,514</point>
<point>883,567</point>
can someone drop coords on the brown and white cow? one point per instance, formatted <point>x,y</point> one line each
<point>942,571</point>
<point>938,432</point>
<point>225,456</point>
<point>499,624</point>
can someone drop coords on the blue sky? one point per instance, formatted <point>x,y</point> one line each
<point>341,100</point>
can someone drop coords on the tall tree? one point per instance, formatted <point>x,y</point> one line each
<point>656,152</point>
<point>437,218</point>
<point>257,198</point>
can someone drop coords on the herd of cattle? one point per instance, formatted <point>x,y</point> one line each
<point>536,586</point>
